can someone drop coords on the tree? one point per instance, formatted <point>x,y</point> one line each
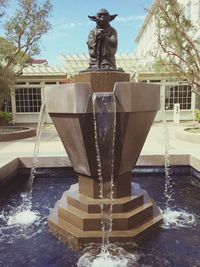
<point>22,34</point>
<point>178,43</point>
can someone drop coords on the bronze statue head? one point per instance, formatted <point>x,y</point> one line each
<point>103,18</point>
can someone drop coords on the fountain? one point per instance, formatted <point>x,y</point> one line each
<point>103,120</point>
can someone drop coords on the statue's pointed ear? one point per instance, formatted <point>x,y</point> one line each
<point>112,17</point>
<point>93,18</point>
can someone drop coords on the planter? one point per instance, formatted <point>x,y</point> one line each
<point>8,133</point>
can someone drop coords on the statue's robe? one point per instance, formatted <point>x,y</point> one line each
<point>102,52</point>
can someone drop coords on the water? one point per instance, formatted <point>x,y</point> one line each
<point>32,245</point>
<point>23,214</point>
<point>37,145</point>
<point>177,219</point>
<point>104,113</point>
<point>173,217</point>
<point>115,256</point>
<point>27,244</point>
<point>168,192</point>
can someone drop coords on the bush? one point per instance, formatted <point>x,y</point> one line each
<point>198,115</point>
<point>6,116</point>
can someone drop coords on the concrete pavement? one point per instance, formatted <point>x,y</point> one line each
<point>51,145</point>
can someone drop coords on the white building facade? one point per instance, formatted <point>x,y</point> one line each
<point>171,91</point>
<point>29,91</point>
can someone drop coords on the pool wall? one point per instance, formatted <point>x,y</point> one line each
<point>10,167</point>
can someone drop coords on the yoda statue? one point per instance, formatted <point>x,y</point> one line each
<point>102,42</point>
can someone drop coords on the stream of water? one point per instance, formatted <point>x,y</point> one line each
<point>24,215</point>
<point>173,217</point>
<point>110,255</point>
<point>104,114</point>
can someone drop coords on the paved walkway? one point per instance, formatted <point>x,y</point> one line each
<point>51,145</point>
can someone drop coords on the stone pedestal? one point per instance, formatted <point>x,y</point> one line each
<point>90,186</point>
<point>76,217</point>
<point>102,81</point>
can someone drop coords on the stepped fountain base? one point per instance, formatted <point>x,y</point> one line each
<point>76,218</point>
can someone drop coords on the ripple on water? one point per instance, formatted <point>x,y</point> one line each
<point>25,218</point>
<point>175,219</point>
<point>20,224</point>
<point>114,257</point>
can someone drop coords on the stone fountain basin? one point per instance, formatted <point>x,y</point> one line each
<point>70,108</point>
<point>8,133</point>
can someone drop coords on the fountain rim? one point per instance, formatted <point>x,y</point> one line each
<point>21,132</point>
<point>75,98</point>
<point>12,165</point>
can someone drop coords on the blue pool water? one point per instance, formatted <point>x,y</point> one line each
<point>32,245</point>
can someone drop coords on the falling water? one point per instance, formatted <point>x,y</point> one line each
<point>172,216</point>
<point>169,192</point>
<point>104,113</point>
<point>24,215</point>
<point>22,221</point>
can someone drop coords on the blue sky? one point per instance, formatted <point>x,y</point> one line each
<point>71,25</point>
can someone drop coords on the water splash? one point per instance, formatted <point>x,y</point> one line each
<point>115,256</point>
<point>175,219</point>
<point>26,217</point>
<point>104,114</point>
<point>19,221</point>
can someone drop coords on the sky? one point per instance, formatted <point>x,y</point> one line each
<point>71,25</point>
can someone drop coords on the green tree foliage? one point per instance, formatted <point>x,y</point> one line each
<point>178,43</point>
<point>7,76</point>
<point>21,42</point>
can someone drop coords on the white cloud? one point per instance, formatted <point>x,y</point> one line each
<point>69,25</point>
<point>130,18</point>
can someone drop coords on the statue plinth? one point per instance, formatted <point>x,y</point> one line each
<point>76,217</point>
<point>102,81</point>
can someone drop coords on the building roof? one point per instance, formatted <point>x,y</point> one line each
<point>146,21</point>
<point>74,63</point>
<point>38,61</point>
<point>43,70</point>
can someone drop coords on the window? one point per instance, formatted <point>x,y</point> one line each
<point>155,81</point>
<point>197,102</point>
<point>28,99</point>
<point>188,10</point>
<point>178,94</point>
<point>50,82</point>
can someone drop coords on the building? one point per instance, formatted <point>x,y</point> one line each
<point>171,91</point>
<point>28,93</point>
<point>78,62</point>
